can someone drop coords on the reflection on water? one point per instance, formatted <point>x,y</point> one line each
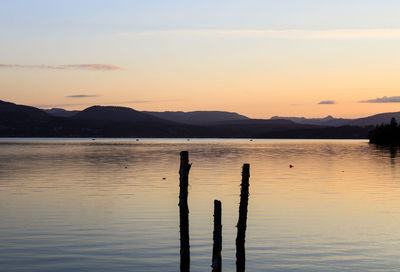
<point>392,150</point>
<point>112,205</point>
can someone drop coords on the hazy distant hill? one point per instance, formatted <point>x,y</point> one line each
<point>118,114</point>
<point>374,120</point>
<point>253,128</point>
<point>327,121</point>
<point>336,122</point>
<point>197,117</point>
<point>260,122</point>
<point>61,112</point>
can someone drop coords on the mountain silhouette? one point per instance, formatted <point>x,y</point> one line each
<point>20,120</point>
<point>8,108</point>
<point>198,117</point>
<point>117,114</point>
<point>110,121</point>
<point>377,119</point>
<point>374,120</point>
<point>191,118</point>
<point>205,118</point>
<point>326,121</point>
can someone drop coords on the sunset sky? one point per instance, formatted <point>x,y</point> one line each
<point>260,58</point>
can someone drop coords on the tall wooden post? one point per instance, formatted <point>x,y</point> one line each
<point>184,211</point>
<point>242,222</point>
<point>217,237</point>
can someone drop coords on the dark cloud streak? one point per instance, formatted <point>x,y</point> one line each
<point>82,95</point>
<point>385,99</point>
<point>327,102</point>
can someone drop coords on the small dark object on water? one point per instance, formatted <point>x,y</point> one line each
<point>291,166</point>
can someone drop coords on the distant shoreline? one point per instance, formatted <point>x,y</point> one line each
<point>179,139</point>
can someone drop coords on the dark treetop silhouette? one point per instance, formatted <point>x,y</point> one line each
<point>386,134</point>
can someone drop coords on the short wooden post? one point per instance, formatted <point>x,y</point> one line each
<point>242,222</point>
<point>217,237</point>
<point>184,211</point>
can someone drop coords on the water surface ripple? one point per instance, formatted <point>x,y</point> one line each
<point>112,204</point>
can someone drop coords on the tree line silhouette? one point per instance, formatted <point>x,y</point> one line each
<point>386,134</point>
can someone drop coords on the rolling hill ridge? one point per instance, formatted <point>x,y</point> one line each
<point>111,121</point>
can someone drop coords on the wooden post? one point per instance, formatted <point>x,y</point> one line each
<point>241,226</point>
<point>184,211</point>
<point>217,237</point>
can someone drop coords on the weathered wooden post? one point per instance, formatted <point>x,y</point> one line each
<point>184,211</point>
<point>217,237</point>
<point>241,226</point>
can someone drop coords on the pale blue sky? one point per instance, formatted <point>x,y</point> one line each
<point>99,16</point>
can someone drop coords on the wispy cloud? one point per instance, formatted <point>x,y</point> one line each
<point>327,102</point>
<point>385,99</point>
<point>91,67</point>
<point>82,95</point>
<point>276,34</point>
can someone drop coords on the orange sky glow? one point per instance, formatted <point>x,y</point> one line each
<point>334,63</point>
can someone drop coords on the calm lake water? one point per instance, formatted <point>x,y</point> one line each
<point>112,205</point>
